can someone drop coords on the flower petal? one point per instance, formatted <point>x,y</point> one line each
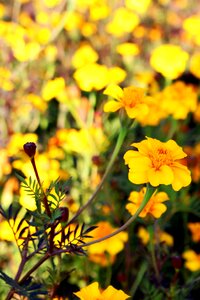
<point>89,292</point>
<point>182,176</point>
<point>158,209</point>
<point>112,106</point>
<point>114,91</point>
<point>176,151</point>
<point>164,175</point>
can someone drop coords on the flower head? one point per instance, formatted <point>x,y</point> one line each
<point>192,260</point>
<point>132,99</point>
<point>157,163</point>
<point>195,230</point>
<point>155,205</point>
<point>169,60</point>
<point>92,292</point>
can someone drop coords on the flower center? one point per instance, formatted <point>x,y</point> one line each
<point>132,96</point>
<point>160,157</point>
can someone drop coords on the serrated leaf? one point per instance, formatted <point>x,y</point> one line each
<point>90,229</point>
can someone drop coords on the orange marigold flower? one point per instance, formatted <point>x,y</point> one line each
<point>93,292</point>
<point>192,260</point>
<point>195,230</point>
<point>157,163</point>
<point>132,99</point>
<point>155,207</point>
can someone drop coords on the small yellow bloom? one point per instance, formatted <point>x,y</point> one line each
<point>158,163</point>
<point>132,99</point>
<point>195,230</point>
<point>92,292</point>
<point>138,6</point>
<point>169,60</point>
<point>192,27</point>
<point>128,49</point>
<point>53,88</point>
<point>192,260</point>
<point>154,207</point>
<point>159,236</point>
<point>83,56</point>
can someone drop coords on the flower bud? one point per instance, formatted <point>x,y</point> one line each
<point>64,214</point>
<point>176,262</point>
<point>30,149</point>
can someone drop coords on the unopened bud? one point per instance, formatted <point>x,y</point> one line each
<point>176,262</point>
<point>64,214</point>
<point>30,149</point>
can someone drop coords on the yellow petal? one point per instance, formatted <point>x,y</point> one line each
<point>111,293</point>
<point>182,176</point>
<point>162,176</point>
<point>176,151</point>
<point>158,209</point>
<point>114,91</point>
<point>90,292</point>
<point>129,155</point>
<point>112,106</point>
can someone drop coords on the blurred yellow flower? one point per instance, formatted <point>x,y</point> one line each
<point>192,260</point>
<point>179,99</point>
<point>37,102</point>
<point>127,49</point>
<point>99,11</point>
<point>159,236</point>
<point>5,166</point>
<point>158,163</point>
<point>51,3</point>
<point>74,21</point>
<point>195,64</point>
<point>53,88</point>
<point>123,21</point>
<point>95,76</point>
<point>26,200</point>
<point>83,56</point>
<point>195,230</point>
<point>154,207</point>
<point>17,140</point>
<point>169,60</point>
<point>87,141</point>
<point>192,26</point>
<point>26,51</point>
<point>131,99</point>
<point>112,245</point>
<point>138,6</point>
<point>92,292</point>
<point>5,79</point>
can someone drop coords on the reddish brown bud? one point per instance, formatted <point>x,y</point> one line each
<point>176,262</point>
<point>64,214</point>
<point>30,149</point>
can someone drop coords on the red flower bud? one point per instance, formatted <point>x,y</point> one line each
<point>176,262</point>
<point>64,214</point>
<point>30,149</point>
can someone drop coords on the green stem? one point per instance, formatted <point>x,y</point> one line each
<point>149,192</point>
<point>120,140</point>
<point>138,279</point>
<point>152,251</point>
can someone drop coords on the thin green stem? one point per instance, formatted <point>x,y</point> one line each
<point>120,140</point>
<point>138,279</point>
<point>149,192</point>
<point>152,251</point>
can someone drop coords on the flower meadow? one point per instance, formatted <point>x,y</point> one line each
<point>99,150</point>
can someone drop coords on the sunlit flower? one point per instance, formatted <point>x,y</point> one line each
<point>131,99</point>
<point>83,56</point>
<point>127,49</point>
<point>138,6</point>
<point>154,207</point>
<point>195,230</point>
<point>192,26</point>
<point>53,88</point>
<point>159,236</point>
<point>99,11</point>
<point>178,100</point>
<point>195,64</point>
<point>192,260</point>
<point>124,21</point>
<point>158,163</point>
<point>169,60</point>
<point>95,76</point>
<point>92,292</point>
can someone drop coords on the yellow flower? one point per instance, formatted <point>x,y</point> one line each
<point>5,79</point>
<point>192,260</point>
<point>124,21</point>
<point>92,292</point>
<point>113,245</point>
<point>195,230</point>
<point>53,88</point>
<point>128,49</point>
<point>158,163</point>
<point>132,99</point>
<point>195,64</point>
<point>178,100</point>
<point>138,6</point>
<point>169,60</point>
<point>155,207</point>
<point>83,56</point>
<point>159,236</point>
<point>192,26</point>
